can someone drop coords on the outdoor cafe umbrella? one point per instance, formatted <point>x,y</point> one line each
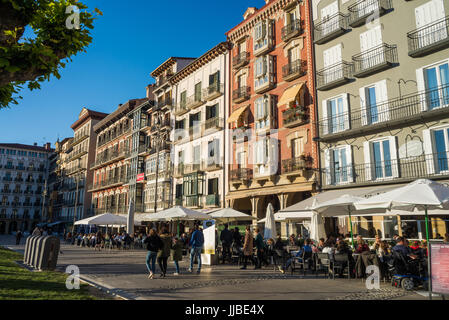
<point>270,223</point>
<point>422,194</point>
<point>343,205</point>
<point>103,219</point>
<point>227,215</point>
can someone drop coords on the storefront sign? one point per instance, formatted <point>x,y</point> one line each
<point>140,177</point>
<point>439,257</point>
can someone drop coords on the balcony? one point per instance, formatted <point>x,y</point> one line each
<point>77,154</point>
<point>428,39</point>
<point>106,158</point>
<point>240,60</point>
<point>6,191</point>
<point>294,70</point>
<point>20,168</point>
<point>331,28</point>
<point>194,101</point>
<point>76,169</point>
<point>108,183</point>
<point>426,166</point>
<point>295,166</point>
<point>192,201</point>
<point>294,117</point>
<point>7,179</point>
<point>213,200</point>
<point>165,103</point>
<point>212,164</point>
<point>143,150</point>
<point>117,134</point>
<point>361,11</point>
<point>395,112</point>
<point>375,60</point>
<point>9,167</point>
<point>79,139</point>
<point>164,147</point>
<point>335,75</point>
<point>292,30</point>
<point>179,170</point>
<point>195,132</point>
<point>264,83</point>
<point>241,175</point>
<point>192,168</point>
<point>181,108</point>
<point>213,124</point>
<point>241,94</point>
<point>178,202</point>
<point>213,91</point>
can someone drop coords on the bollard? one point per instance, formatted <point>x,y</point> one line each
<point>38,250</point>
<point>49,253</point>
<point>32,250</point>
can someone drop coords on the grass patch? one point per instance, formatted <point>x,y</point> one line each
<point>17,283</point>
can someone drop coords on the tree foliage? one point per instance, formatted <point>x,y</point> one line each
<point>30,61</point>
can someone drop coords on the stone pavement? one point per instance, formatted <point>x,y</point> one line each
<point>124,273</point>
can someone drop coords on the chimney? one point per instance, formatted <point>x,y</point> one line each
<point>47,146</point>
<point>150,89</point>
<point>35,144</point>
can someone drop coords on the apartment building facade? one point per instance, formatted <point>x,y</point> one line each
<point>382,95</point>
<point>272,149</point>
<point>77,175</point>
<point>111,166</point>
<point>199,140</point>
<point>23,174</point>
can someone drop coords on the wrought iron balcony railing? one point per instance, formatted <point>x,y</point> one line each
<point>403,169</point>
<point>363,9</point>
<point>293,29</point>
<point>335,75</point>
<point>213,91</point>
<point>241,174</point>
<point>240,60</point>
<point>241,94</point>
<point>213,123</point>
<point>331,27</point>
<point>405,109</point>
<point>213,200</point>
<point>294,70</point>
<point>294,165</point>
<point>375,60</point>
<point>106,158</point>
<point>428,39</point>
<point>195,100</point>
<point>293,117</point>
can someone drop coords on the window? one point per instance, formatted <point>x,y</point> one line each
<point>369,40</point>
<point>381,160</point>
<point>213,148</point>
<point>183,98</point>
<point>262,35</point>
<point>242,81</point>
<point>437,85</point>
<point>367,7</point>
<point>212,186</point>
<point>333,69</point>
<point>211,112</point>
<point>197,154</point>
<point>214,79</point>
<point>338,163</point>
<point>263,71</point>
<point>264,111</point>
<point>241,159</point>
<point>328,25</point>
<point>426,17</point>
<point>441,143</point>
<point>297,147</point>
<point>374,103</point>
<point>198,91</point>
<point>335,111</point>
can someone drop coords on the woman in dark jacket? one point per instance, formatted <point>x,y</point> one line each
<point>164,251</point>
<point>176,253</point>
<point>153,243</point>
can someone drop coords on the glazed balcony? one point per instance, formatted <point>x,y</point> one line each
<point>375,60</point>
<point>397,112</point>
<point>241,94</point>
<point>213,200</point>
<point>108,183</point>
<point>294,117</point>
<point>104,159</point>
<point>294,70</point>
<point>113,135</point>
<point>335,75</point>
<point>240,60</point>
<point>428,39</point>
<point>192,201</point>
<point>361,11</point>
<point>294,29</point>
<point>331,28</point>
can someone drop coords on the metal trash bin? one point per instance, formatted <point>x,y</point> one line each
<point>27,253</point>
<point>32,250</point>
<point>49,252</point>
<point>38,251</point>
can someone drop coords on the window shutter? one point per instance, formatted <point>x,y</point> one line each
<point>428,151</point>
<point>217,150</point>
<point>350,168</point>
<point>264,28</point>
<point>394,157</point>
<point>381,91</point>
<point>325,122</point>
<point>368,166</point>
<point>327,166</point>
<point>421,88</point>
<point>363,106</point>
<point>265,65</point>
<point>347,123</point>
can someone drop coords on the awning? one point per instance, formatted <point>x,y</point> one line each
<point>290,94</point>
<point>236,114</point>
<point>334,194</point>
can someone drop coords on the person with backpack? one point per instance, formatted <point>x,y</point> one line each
<point>196,242</point>
<point>153,243</point>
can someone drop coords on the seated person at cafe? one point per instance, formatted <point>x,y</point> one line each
<point>343,248</point>
<point>306,248</point>
<point>292,241</point>
<point>320,245</point>
<point>278,245</point>
<point>377,243</point>
<point>361,246</point>
<point>405,250</point>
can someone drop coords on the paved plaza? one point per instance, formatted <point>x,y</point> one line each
<point>124,273</point>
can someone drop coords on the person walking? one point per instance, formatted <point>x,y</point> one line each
<point>153,243</point>
<point>164,251</point>
<point>247,247</point>
<point>260,245</point>
<point>176,253</point>
<point>226,242</point>
<point>36,232</point>
<point>18,237</point>
<point>196,242</point>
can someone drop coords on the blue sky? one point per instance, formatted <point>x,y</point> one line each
<point>130,40</point>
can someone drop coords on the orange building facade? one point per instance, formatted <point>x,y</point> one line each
<point>272,153</point>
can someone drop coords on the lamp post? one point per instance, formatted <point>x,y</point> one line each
<point>158,137</point>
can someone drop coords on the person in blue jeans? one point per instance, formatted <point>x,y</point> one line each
<point>154,243</point>
<point>196,243</point>
<point>307,248</point>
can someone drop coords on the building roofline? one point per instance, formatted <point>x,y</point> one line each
<point>25,147</point>
<point>166,64</point>
<point>90,114</point>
